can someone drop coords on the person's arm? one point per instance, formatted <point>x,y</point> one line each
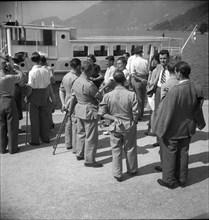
<point>62,95</point>
<point>106,85</point>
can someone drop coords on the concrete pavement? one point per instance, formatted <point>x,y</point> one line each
<point>38,185</point>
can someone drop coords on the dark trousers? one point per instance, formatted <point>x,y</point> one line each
<point>140,89</point>
<point>18,100</point>
<point>9,124</point>
<point>157,102</point>
<point>175,159</point>
<point>39,115</point>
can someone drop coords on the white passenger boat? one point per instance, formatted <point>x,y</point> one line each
<point>62,44</point>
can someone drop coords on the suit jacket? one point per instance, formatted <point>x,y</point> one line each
<point>175,117</point>
<point>152,84</point>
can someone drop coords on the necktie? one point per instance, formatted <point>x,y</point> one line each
<point>163,79</point>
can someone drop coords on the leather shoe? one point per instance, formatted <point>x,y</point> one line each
<point>80,158</point>
<point>95,165</point>
<point>5,151</point>
<point>158,168</point>
<point>133,174</point>
<point>156,144</point>
<point>46,141</point>
<point>119,179</point>
<point>34,144</point>
<point>68,148</point>
<point>182,184</point>
<point>169,186</point>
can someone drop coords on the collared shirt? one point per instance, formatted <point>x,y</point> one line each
<point>67,84</point>
<point>85,91</point>
<point>181,81</point>
<point>167,76</point>
<point>129,61</point>
<point>39,77</point>
<point>139,66</point>
<point>126,73</point>
<point>109,74</point>
<point>7,83</point>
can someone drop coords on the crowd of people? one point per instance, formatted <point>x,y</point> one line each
<point>116,97</point>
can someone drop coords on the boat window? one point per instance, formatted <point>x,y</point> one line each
<point>36,37</point>
<point>80,51</point>
<point>100,51</point>
<point>133,47</point>
<point>119,50</point>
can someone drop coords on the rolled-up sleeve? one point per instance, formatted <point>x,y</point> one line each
<point>103,106</point>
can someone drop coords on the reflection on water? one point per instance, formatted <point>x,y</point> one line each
<point>195,54</point>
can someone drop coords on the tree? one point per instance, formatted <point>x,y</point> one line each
<point>203,27</point>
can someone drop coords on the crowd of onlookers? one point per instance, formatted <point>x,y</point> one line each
<point>116,97</point>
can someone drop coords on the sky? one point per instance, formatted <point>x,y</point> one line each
<point>28,11</point>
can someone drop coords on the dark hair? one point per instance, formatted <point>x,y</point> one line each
<point>36,58</point>
<point>43,60</point>
<point>138,50</point>
<point>86,67</point>
<point>184,68</point>
<point>156,57</point>
<point>162,52</point>
<point>18,57</point>
<point>110,58</point>
<point>123,59</point>
<point>75,62</point>
<point>91,56</point>
<point>119,76</point>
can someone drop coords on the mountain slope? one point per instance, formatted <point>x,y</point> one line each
<point>186,21</point>
<point>126,14</point>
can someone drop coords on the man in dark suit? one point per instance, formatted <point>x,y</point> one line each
<point>175,124</point>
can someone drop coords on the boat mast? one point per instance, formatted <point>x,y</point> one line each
<point>192,33</point>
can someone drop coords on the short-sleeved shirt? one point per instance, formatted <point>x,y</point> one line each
<point>39,77</point>
<point>87,105</point>
<point>67,84</point>
<point>140,66</point>
<point>109,74</point>
<point>7,83</point>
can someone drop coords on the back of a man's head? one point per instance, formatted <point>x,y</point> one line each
<point>138,50</point>
<point>119,77</point>
<point>74,63</point>
<point>87,67</point>
<point>171,67</point>
<point>36,58</point>
<point>184,68</point>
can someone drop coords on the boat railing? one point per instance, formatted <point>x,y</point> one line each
<point>173,50</point>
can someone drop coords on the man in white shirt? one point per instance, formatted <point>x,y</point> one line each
<point>139,75</point>
<point>38,97</point>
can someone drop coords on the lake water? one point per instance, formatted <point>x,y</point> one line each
<point>195,54</point>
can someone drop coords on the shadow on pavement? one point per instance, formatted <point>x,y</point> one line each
<point>201,157</point>
<point>200,135</point>
<point>197,174</point>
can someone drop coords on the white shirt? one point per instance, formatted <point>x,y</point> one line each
<point>167,76</point>
<point>139,66</point>
<point>39,77</point>
<point>130,59</point>
<point>126,73</point>
<point>109,74</point>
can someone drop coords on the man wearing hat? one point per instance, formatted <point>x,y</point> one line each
<point>18,59</point>
<point>8,109</point>
<point>139,75</point>
<point>120,106</point>
<point>178,115</point>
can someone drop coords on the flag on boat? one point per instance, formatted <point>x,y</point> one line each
<point>193,37</point>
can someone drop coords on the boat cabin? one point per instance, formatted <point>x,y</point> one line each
<point>62,44</point>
